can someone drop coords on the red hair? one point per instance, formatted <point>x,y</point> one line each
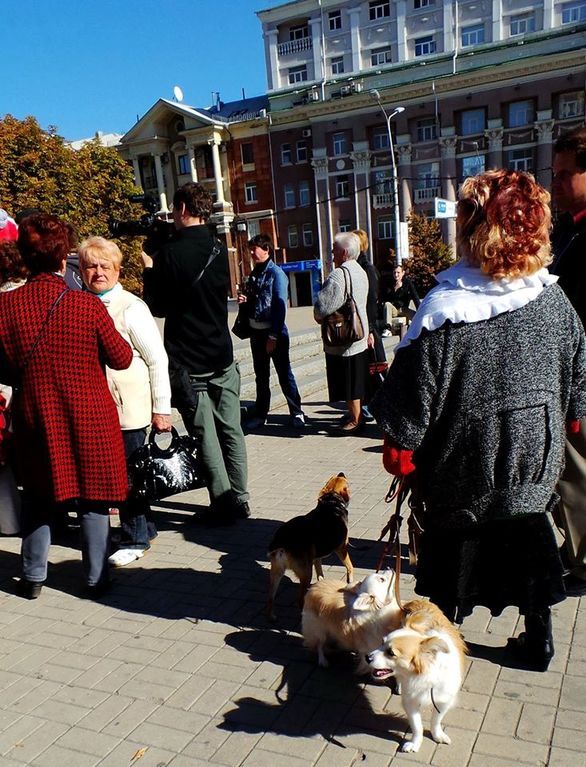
<point>503,223</point>
<point>44,241</point>
<point>11,264</point>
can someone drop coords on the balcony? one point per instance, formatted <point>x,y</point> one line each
<point>382,200</point>
<point>295,46</point>
<point>426,194</point>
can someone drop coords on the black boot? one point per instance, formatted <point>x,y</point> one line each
<point>29,589</point>
<point>534,647</point>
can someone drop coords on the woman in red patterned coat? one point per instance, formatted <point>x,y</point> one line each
<point>54,343</point>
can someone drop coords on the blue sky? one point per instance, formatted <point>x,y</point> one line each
<point>85,65</point>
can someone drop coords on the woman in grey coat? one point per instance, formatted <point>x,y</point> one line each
<point>346,366</point>
<point>477,398</point>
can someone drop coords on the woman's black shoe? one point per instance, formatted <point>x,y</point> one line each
<point>30,589</point>
<point>534,647</point>
<point>98,590</point>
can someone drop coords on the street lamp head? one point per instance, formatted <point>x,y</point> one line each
<point>375,94</point>
<point>398,110</point>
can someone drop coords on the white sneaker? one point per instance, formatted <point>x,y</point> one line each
<point>125,557</point>
<point>298,421</point>
<point>386,333</point>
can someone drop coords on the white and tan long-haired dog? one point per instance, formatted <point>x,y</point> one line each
<point>426,656</point>
<point>354,617</point>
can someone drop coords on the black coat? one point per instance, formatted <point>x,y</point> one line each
<point>569,248</point>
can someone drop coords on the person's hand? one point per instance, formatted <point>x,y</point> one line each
<point>271,345</point>
<point>242,299</point>
<point>147,260</point>
<point>161,423</point>
<point>396,460</point>
<point>370,341</point>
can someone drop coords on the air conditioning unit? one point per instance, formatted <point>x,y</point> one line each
<point>313,96</point>
<point>345,90</point>
<point>306,132</point>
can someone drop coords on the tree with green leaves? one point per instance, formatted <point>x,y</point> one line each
<point>87,188</point>
<point>429,254</point>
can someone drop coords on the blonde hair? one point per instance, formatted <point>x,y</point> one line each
<point>99,247</point>
<point>363,237</point>
<point>503,223</point>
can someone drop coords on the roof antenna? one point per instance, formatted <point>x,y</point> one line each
<point>177,94</point>
<point>243,95</point>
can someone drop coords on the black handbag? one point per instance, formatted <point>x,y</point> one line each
<point>344,326</point>
<point>156,472</point>
<point>241,326</point>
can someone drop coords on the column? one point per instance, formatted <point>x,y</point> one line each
<point>360,157</point>
<point>405,183</point>
<point>448,20</point>
<point>544,130</point>
<point>136,167</point>
<point>271,38</point>
<point>192,165</point>
<point>401,30</point>
<point>214,143</point>
<point>448,173</point>
<point>548,15</point>
<point>354,15</point>
<point>497,21</point>
<point>160,183</point>
<point>319,66</point>
<point>494,137</point>
<point>319,163</point>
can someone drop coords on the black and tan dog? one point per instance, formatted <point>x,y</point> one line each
<point>303,541</point>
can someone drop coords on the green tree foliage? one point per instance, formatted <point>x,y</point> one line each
<point>429,253</point>
<point>87,187</point>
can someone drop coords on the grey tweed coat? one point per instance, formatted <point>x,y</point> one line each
<point>484,405</point>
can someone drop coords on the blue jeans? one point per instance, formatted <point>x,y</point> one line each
<point>94,522</point>
<point>136,518</point>
<point>262,370</point>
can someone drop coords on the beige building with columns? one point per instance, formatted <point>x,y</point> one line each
<point>484,83</point>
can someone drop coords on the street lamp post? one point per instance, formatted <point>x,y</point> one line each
<point>388,117</point>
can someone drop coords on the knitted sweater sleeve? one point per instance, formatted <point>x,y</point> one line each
<point>146,339</point>
<point>577,405</point>
<point>331,296</point>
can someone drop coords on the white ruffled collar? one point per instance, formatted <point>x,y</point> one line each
<point>465,294</point>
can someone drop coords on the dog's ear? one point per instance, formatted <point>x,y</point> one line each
<point>328,487</point>
<point>433,645</point>
<point>366,602</point>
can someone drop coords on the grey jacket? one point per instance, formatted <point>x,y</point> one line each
<point>484,405</point>
<point>331,297</point>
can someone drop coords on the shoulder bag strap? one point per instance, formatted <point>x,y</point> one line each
<point>347,277</point>
<point>33,348</point>
<point>215,252</point>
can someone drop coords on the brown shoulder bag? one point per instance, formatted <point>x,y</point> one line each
<point>344,326</point>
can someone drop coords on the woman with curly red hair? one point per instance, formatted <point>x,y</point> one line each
<point>476,400</point>
<point>54,344</point>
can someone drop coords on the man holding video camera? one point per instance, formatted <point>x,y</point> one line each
<point>186,282</point>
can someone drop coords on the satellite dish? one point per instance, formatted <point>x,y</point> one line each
<point>177,93</point>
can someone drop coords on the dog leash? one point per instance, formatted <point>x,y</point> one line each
<point>398,490</point>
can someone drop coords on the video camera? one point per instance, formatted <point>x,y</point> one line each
<point>156,231</point>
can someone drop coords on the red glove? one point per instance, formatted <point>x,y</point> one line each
<point>396,460</point>
<point>572,427</point>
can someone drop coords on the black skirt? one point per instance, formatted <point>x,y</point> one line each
<point>347,376</point>
<point>508,562</point>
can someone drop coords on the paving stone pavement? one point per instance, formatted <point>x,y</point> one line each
<point>179,667</point>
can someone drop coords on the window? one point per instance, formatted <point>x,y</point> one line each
<point>247,154</point>
<point>472,35</point>
<point>428,175</point>
<point>383,182</point>
<point>339,143</point>
<point>472,166</point>
<point>472,121</point>
<point>292,236</point>
<point>520,25</point>
<point>345,225</point>
<point>520,113</point>
<point>335,20</point>
<point>378,9</point>
<point>297,75</point>
<point>183,163</point>
<point>381,56</point>
<point>424,46</point>
<point>572,12</point>
<point>289,195</point>
<point>380,140</point>
<point>304,195</point>
<point>520,159</point>
<point>385,229</point>
<point>307,235</point>
<point>426,129</point>
<point>253,227</point>
<point>342,187</point>
<point>250,192</point>
<point>571,105</point>
<point>338,65</point>
<point>302,151</point>
<point>422,3</point>
<point>299,33</point>
<point>286,154</point>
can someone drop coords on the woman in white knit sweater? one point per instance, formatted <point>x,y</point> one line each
<point>346,366</point>
<point>142,393</point>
